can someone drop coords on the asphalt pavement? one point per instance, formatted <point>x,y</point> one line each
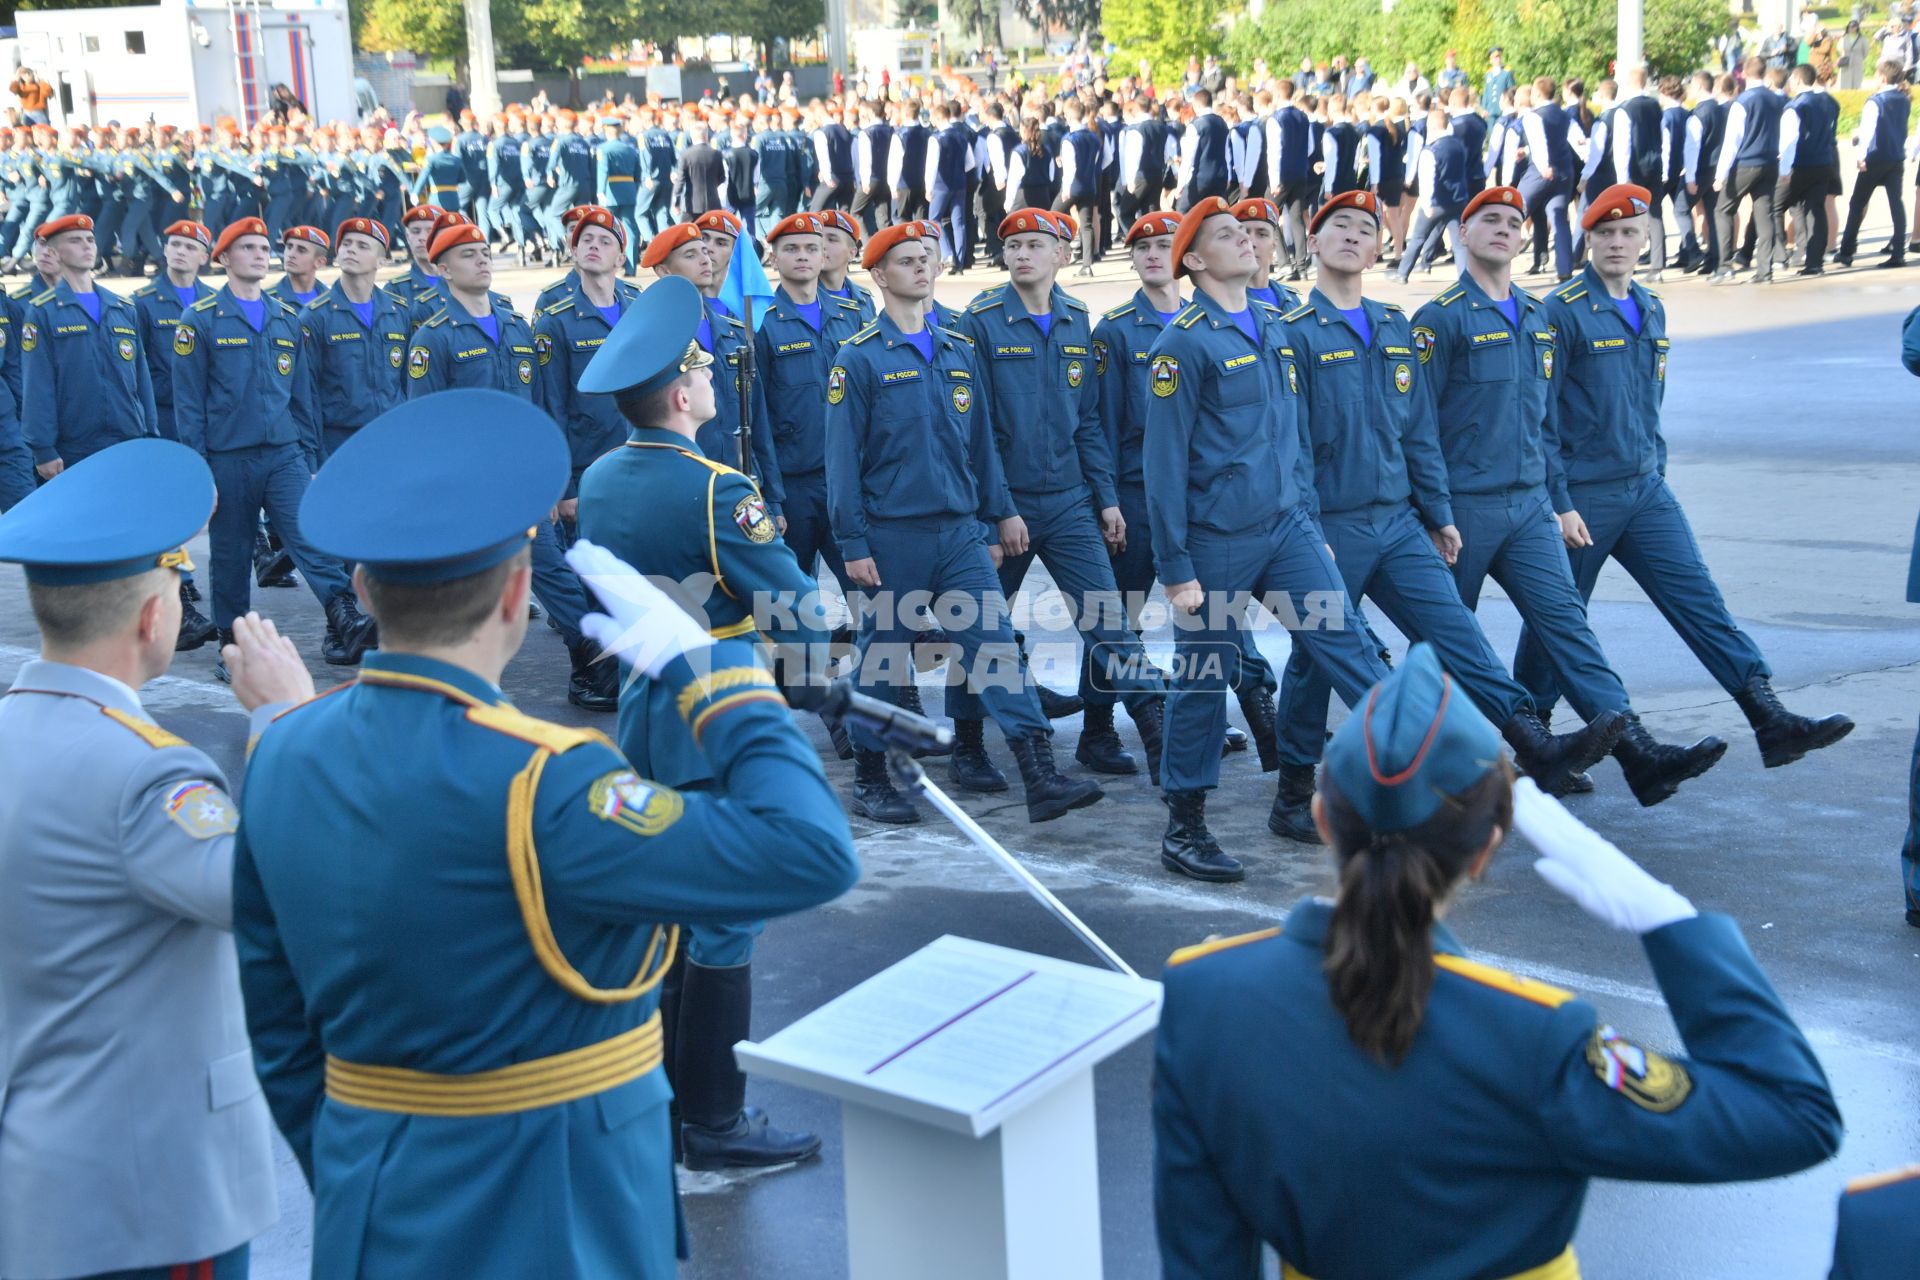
<point>1791,427</point>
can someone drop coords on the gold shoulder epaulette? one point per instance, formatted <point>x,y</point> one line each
<point>1189,318</point>
<point>1651,293</point>
<point>860,337</point>
<point>556,738</point>
<point>1450,295</point>
<point>848,303</point>
<point>434,320</point>
<point>1266,306</point>
<point>1885,1178</point>
<point>291,308</point>
<point>152,734</point>
<point>1125,309</point>
<point>1500,980</point>
<point>955,333</point>
<point>48,296</point>
<point>147,290</point>
<point>558,307</point>
<point>1304,309</point>
<point>1075,303</point>
<point>307,702</point>
<point>207,303</point>
<point>985,302</point>
<point>1212,945</point>
<point>1572,291</point>
<point>1393,306</point>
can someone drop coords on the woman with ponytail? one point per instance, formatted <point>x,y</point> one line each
<point>1355,1092</point>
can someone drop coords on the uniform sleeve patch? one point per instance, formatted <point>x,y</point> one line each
<point>544,345</point>
<point>417,363</point>
<point>750,513</point>
<point>836,385</point>
<point>1643,1077</point>
<point>202,810</point>
<point>1164,376</point>
<point>29,336</point>
<point>627,800</point>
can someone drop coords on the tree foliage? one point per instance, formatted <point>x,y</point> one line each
<point>558,35</point>
<point>976,18</point>
<point>1168,32</point>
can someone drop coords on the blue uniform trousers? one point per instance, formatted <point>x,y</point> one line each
<point>626,216</point>
<point>36,213</point>
<point>656,213</point>
<point>1640,523</point>
<point>556,585</point>
<point>1514,538</point>
<point>273,478</point>
<point>281,210</point>
<point>107,227</point>
<point>945,558</point>
<point>1384,554</point>
<point>510,216</point>
<point>1287,559</point>
<point>809,530</point>
<point>1063,532</point>
<point>138,236</point>
<point>16,467</point>
<point>231,1265</point>
<point>1910,847</point>
<point>1547,209</point>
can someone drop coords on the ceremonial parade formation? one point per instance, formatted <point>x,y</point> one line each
<point>484,972</point>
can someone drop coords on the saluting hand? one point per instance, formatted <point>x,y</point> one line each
<point>1579,862</point>
<point>642,624</point>
<point>265,665</point>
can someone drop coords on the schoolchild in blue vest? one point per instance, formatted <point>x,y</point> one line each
<point>1749,167</point>
<point>1444,193</point>
<point>1610,369</point>
<point>1809,164</point>
<point>950,179</point>
<point>1552,170</point>
<point>1882,139</point>
<point>1406,1110</point>
<point>455,1013</point>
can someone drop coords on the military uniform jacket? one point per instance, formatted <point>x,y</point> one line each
<point>1226,439</point>
<point>566,334</point>
<point>854,293</point>
<point>616,172</point>
<point>135,1135</point>
<point>1604,420</point>
<point>719,436</point>
<point>356,372</point>
<point>1046,398</point>
<point>411,286</point>
<point>557,290</point>
<point>1121,342</point>
<point>441,175</point>
<point>84,385</point>
<point>793,361</point>
<point>1373,436</point>
<point>908,439</point>
<point>159,310</point>
<point>570,165</point>
<point>390,933</point>
<point>452,350</point>
<point>11,389</point>
<point>1486,382</point>
<point>1471,1158</point>
<point>234,388</point>
<point>1878,1236</point>
<point>283,290</point>
<point>676,515</point>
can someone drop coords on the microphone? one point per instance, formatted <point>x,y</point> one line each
<point>837,703</point>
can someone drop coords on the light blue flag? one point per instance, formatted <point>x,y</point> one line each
<point>746,279</point>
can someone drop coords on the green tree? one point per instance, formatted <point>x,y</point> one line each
<point>762,21</point>
<point>1078,16</point>
<point>1168,32</point>
<point>1680,34</point>
<point>1317,29</point>
<point>916,13</point>
<point>978,18</point>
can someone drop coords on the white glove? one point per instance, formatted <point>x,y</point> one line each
<point>1579,862</point>
<point>642,624</point>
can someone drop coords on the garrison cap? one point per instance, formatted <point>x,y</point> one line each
<point>129,508</point>
<point>1416,739</point>
<point>1623,200</point>
<point>653,344</point>
<point>439,488</point>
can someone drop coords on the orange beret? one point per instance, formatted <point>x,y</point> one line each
<point>237,231</point>
<point>448,218</point>
<point>885,240</point>
<point>1622,201</point>
<point>1029,221</point>
<point>1507,196</point>
<point>364,227</point>
<point>1154,224</point>
<point>1255,209</point>
<point>574,214</point>
<point>70,222</point>
<point>594,216</point>
<point>927,229</point>
<point>719,220</point>
<point>420,213</point>
<point>452,236</point>
<point>840,220</point>
<point>800,224</point>
<point>677,236</point>
<point>1068,224</point>
<point>1190,222</point>
<point>312,235</point>
<point>1365,201</point>
<point>188,229</point>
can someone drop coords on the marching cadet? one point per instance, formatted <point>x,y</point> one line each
<point>655,209</point>
<point>471,986</point>
<point>136,1141</point>
<point>477,340</point>
<point>84,385</point>
<point>1486,377</point>
<point>681,250</point>
<point>915,512</point>
<point>678,516</point>
<point>616,180</point>
<point>16,459</point>
<point>721,229</point>
<point>1262,217</point>
<point>1610,361</point>
<point>507,190</point>
<point>1387,513</point>
<point>419,278</point>
<point>241,400</point>
<point>355,335</point>
<point>46,271</point>
<point>1034,346</point>
<point>303,251</point>
<point>794,352</point>
<point>1229,480</point>
<point>565,284</point>
<point>839,248</point>
<point>1439,1116</point>
<point>441,173</point>
<point>1876,1238</point>
<point>569,175</point>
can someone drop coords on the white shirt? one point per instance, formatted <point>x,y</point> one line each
<point>1132,148</point>
<point>997,158</point>
<point>1690,158</point>
<point>820,155</point>
<point>1191,145</point>
<point>862,159</point>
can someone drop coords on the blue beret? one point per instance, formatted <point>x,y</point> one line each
<point>439,488</point>
<point>125,510</point>
<point>439,133</point>
<point>1417,738</point>
<point>653,344</point>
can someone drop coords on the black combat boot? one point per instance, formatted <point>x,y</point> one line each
<point>1551,759</point>
<point>1050,793</point>
<point>221,639</point>
<point>1233,740</point>
<point>594,683</point>
<point>910,701</point>
<point>195,629</point>
<point>350,633</point>
<point>874,796</point>
<point>190,591</point>
<point>272,565</point>
<point>1654,770</point>
<point>1058,706</point>
<point>1256,704</point>
<point>1189,848</point>
<point>971,769</point>
<point>842,740</point>
<point>1150,718</point>
<point>1579,783</point>
<point>1099,747</point>
<point>1783,736</point>
<point>718,1130</point>
<point>1292,814</point>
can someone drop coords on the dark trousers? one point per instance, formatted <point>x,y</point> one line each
<point>809,532</point>
<point>16,467</point>
<point>909,203</point>
<point>1291,199</point>
<point>1754,182</point>
<point>1690,251</point>
<point>271,478</point>
<point>1640,523</point>
<point>1287,561</point>
<point>231,1265</point>
<point>956,227</point>
<point>1428,235</point>
<point>555,585</point>
<point>1383,553</point>
<point>873,206</point>
<point>1547,209</point>
<point>1873,178</point>
<point>656,214</point>
<point>993,211</point>
<point>832,195</point>
<point>1910,847</point>
<point>1130,204</point>
<point>106,227</point>
<point>1805,188</point>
